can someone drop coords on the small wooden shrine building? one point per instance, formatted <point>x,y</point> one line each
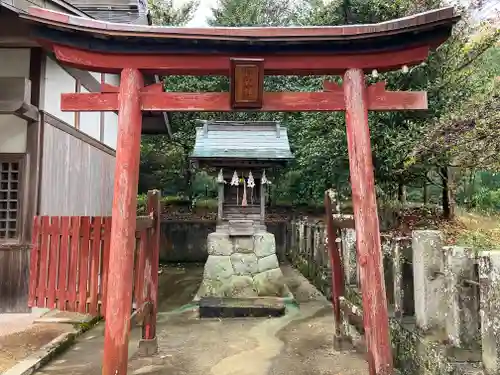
<point>241,153</point>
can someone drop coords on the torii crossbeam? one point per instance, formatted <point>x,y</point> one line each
<point>246,55</point>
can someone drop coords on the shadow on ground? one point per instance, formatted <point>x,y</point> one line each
<point>299,342</point>
<point>177,285</point>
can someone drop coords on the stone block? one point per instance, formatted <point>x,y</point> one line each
<point>147,348</point>
<point>264,244</point>
<point>244,264</point>
<point>429,284</point>
<point>219,244</point>
<point>241,286</point>
<point>270,283</point>
<point>462,322</point>
<point>348,239</point>
<point>243,245</point>
<point>268,263</point>
<point>239,308</point>
<point>218,268</point>
<point>212,288</point>
<point>489,280</point>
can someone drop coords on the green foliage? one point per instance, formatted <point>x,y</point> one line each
<point>410,149</point>
<point>486,199</point>
<point>163,12</point>
<point>252,13</point>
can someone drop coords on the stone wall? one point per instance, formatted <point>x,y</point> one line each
<point>443,302</point>
<point>186,241</point>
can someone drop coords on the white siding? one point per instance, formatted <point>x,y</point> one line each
<point>13,132</point>
<point>90,122</point>
<point>15,62</point>
<point>112,79</point>
<point>97,76</point>
<point>57,82</point>
<point>77,178</point>
<point>111,118</point>
<point>110,129</point>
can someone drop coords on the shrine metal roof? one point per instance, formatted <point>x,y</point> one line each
<point>427,28</point>
<point>242,140</point>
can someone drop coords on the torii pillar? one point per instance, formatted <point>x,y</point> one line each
<point>124,212</point>
<point>375,316</point>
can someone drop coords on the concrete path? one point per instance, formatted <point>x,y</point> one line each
<point>16,322</point>
<point>27,341</point>
<point>298,343</point>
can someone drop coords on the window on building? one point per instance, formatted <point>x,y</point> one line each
<point>10,196</point>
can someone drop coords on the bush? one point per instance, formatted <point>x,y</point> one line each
<point>486,199</point>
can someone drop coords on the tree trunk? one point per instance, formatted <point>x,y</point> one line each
<point>401,193</point>
<point>471,188</point>
<point>447,199</point>
<point>426,194</point>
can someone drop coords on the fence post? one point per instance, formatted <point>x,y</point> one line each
<point>348,243</point>
<point>397,271</point>
<point>336,267</point>
<point>148,345</point>
<point>428,278</point>
<point>489,280</point>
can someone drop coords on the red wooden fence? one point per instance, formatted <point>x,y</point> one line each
<point>69,262</point>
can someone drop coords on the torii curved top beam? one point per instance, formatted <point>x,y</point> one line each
<point>109,47</point>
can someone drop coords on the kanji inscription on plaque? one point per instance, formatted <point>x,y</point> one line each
<point>247,82</point>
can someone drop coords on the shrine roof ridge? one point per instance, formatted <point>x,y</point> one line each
<point>429,28</point>
<point>49,17</point>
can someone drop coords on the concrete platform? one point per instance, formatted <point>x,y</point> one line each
<point>213,307</point>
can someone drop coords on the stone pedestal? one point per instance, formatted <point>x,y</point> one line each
<point>242,265</point>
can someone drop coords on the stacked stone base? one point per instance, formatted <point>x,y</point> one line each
<point>242,267</point>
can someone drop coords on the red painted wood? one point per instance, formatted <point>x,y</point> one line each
<point>53,262</point>
<point>154,88</point>
<point>212,64</point>
<point>74,261</point>
<point>107,88</point>
<point>54,16</point>
<point>44,255</point>
<point>34,261</point>
<point>97,101</point>
<point>121,257</point>
<point>95,259</point>
<point>375,314</point>
<point>105,263</point>
<point>64,254</point>
<point>220,101</point>
<point>140,275</point>
<point>336,264</point>
<point>443,16</point>
<point>83,272</point>
<point>153,206</point>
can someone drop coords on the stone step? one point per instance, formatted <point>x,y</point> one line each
<point>215,307</point>
<point>242,217</point>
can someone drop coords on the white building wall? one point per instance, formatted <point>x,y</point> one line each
<point>13,132</point>
<point>57,82</point>
<point>14,62</point>
<point>90,122</point>
<point>111,118</point>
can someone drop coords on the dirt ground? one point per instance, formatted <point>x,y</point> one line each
<point>18,345</point>
<point>299,342</point>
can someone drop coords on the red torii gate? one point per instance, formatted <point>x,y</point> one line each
<point>246,55</point>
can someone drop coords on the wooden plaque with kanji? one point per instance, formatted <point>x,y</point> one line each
<point>247,83</point>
